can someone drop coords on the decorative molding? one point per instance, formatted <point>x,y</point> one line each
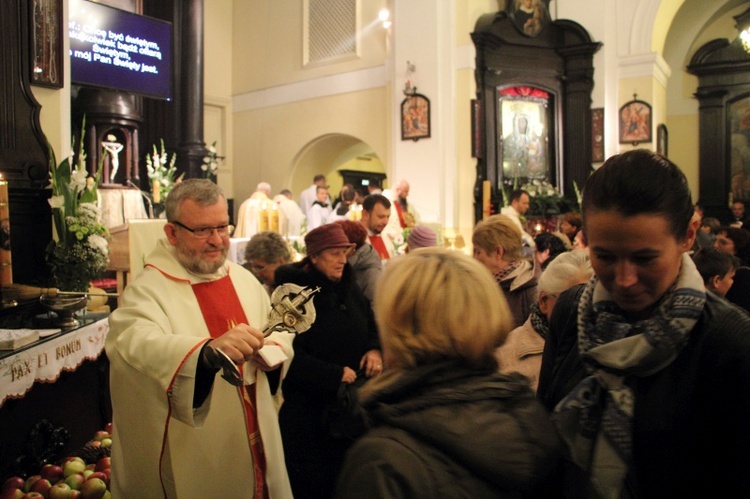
<point>342,83</point>
<point>648,64</point>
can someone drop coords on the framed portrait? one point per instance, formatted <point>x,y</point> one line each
<point>529,16</point>
<point>635,122</point>
<point>415,117</point>
<point>524,124</point>
<point>597,135</point>
<point>662,140</point>
<point>46,43</point>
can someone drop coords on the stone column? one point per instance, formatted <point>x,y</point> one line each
<point>191,148</point>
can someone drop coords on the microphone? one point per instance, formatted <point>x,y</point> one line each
<point>146,197</point>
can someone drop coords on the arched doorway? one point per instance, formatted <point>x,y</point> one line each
<point>330,154</point>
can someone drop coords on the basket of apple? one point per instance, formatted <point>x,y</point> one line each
<point>82,476</point>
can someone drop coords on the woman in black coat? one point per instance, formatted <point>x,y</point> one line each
<point>342,340</point>
<point>646,372</point>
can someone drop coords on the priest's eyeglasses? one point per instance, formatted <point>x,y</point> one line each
<point>205,232</point>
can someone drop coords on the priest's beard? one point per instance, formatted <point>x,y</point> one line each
<point>192,259</point>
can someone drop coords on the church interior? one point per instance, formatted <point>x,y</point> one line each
<point>465,99</point>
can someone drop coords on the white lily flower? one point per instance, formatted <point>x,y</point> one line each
<point>56,201</point>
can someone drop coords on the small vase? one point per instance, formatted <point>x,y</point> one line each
<point>65,306</point>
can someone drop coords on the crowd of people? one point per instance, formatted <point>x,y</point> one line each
<point>606,360</point>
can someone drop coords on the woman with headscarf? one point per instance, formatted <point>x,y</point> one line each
<point>342,341</point>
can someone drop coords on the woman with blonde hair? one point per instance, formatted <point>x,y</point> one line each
<point>444,422</point>
<point>497,245</point>
<point>522,350</point>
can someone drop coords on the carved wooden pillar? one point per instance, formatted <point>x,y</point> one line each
<point>23,149</point>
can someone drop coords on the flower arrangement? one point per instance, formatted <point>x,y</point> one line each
<point>544,198</point>
<point>80,251</point>
<point>210,165</point>
<point>161,172</point>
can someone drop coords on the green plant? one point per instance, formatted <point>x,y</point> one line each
<point>545,199</point>
<point>79,252</point>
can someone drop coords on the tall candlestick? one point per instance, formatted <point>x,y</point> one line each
<point>156,190</point>
<point>263,225</point>
<point>273,218</point>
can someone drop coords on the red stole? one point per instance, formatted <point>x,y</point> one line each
<point>379,245</point>
<point>222,310</point>
<point>400,212</point>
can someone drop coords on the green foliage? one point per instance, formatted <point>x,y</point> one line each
<point>80,252</point>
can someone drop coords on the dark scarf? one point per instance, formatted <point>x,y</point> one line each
<point>539,320</point>
<point>594,419</point>
<point>324,205</point>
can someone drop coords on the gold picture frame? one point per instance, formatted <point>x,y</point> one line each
<point>46,43</point>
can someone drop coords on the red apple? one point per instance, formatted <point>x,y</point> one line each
<point>60,491</point>
<point>11,494</point>
<point>95,443</point>
<point>42,486</point>
<point>32,495</point>
<point>103,463</point>
<point>75,481</point>
<point>108,427</point>
<point>52,472</point>
<point>76,494</point>
<point>14,482</point>
<point>93,489</point>
<point>30,481</point>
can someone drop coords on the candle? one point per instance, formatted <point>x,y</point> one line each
<point>156,189</point>
<point>263,225</point>
<point>273,218</point>
<point>6,268</point>
<point>486,196</point>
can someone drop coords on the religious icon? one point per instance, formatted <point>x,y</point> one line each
<point>524,132</point>
<point>635,122</point>
<point>530,16</point>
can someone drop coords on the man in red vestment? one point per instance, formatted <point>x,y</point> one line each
<point>180,429</point>
<point>376,210</point>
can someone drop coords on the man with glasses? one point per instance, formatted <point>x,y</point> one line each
<point>181,430</point>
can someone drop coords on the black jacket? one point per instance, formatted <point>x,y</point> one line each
<point>445,430</point>
<point>691,436</point>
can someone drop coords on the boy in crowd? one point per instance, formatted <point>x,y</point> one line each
<point>717,269</point>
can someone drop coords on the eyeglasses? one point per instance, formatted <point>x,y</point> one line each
<point>205,232</point>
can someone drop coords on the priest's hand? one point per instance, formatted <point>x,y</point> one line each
<point>240,344</point>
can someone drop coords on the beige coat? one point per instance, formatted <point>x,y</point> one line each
<point>522,352</point>
<point>162,446</point>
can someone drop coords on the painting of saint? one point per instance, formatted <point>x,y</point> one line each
<point>530,16</point>
<point>635,122</point>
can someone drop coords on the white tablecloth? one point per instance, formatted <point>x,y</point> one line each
<point>44,362</point>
